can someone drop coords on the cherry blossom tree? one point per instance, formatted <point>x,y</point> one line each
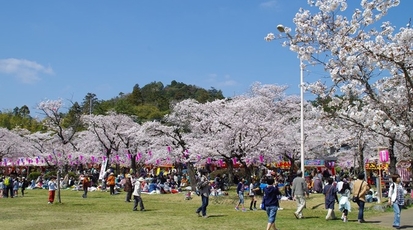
<point>137,144</point>
<point>172,143</point>
<point>109,135</point>
<point>10,143</point>
<point>373,65</point>
<point>237,130</point>
<point>62,134</point>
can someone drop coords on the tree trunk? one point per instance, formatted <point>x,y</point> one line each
<point>191,174</point>
<point>360,153</point>
<point>133,163</point>
<point>58,186</point>
<point>248,172</point>
<point>393,160</point>
<point>230,171</point>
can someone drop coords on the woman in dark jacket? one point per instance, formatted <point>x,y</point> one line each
<point>330,192</point>
<point>128,188</point>
<point>271,194</point>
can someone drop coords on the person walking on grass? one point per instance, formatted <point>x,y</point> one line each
<point>344,202</point>
<point>204,189</point>
<point>330,193</point>
<point>360,190</point>
<point>299,190</point>
<point>16,186</point>
<point>240,192</point>
<point>8,187</point>
<point>111,183</point>
<point>25,184</point>
<point>252,192</point>
<point>85,185</point>
<point>52,189</point>
<point>128,188</point>
<point>137,195</point>
<point>396,199</point>
<point>271,203</point>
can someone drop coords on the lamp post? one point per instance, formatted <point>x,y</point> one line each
<point>281,29</point>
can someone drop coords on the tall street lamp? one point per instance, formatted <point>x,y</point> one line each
<point>281,29</point>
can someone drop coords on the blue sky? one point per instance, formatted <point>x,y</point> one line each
<point>66,49</point>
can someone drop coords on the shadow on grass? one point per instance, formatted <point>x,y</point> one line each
<point>316,206</point>
<point>310,217</point>
<point>371,221</point>
<point>216,215</point>
<point>406,227</point>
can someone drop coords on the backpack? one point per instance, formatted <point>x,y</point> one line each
<point>86,182</point>
<point>7,181</point>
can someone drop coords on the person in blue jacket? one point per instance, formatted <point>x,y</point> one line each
<point>271,203</point>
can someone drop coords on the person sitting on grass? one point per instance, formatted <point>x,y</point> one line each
<point>288,191</point>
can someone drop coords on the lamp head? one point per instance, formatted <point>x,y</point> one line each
<point>281,28</point>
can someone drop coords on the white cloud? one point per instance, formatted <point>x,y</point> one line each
<point>26,71</point>
<point>269,4</point>
<point>221,82</point>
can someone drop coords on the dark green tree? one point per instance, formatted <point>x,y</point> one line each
<point>135,98</point>
<point>89,103</point>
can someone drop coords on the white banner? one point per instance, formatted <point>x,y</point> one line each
<point>103,169</point>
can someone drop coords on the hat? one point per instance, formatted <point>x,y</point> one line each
<point>140,179</point>
<point>111,173</point>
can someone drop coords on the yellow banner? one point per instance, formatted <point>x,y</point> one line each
<point>374,166</point>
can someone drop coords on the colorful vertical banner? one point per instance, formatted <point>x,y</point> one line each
<point>261,159</point>
<point>234,161</point>
<point>384,155</point>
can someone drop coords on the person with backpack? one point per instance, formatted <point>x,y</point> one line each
<point>85,185</point>
<point>111,183</point>
<point>8,187</point>
<point>396,199</point>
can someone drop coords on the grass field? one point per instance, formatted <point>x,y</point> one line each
<point>168,211</point>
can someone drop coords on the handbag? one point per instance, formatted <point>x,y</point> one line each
<point>356,199</point>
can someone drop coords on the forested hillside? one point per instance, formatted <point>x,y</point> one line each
<point>150,102</point>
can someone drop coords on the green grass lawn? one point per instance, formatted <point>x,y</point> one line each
<point>169,211</point>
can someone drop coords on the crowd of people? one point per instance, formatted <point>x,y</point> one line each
<point>340,189</point>
<point>10,186</point>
